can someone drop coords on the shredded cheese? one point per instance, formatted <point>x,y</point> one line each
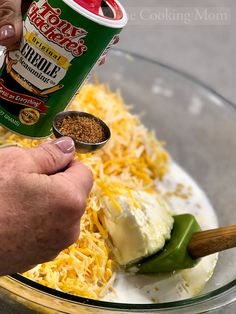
<point>132,160</point>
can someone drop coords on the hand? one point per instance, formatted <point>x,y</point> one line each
<point>43,196</point>
<point>103,57</point>
<point>11,21</point>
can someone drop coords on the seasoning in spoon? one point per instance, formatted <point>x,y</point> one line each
<point>82,128</point>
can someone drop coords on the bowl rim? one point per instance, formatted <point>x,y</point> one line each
<point>186,303</point>
<point>226,292</point>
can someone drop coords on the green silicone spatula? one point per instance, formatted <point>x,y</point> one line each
<point>187,245</point>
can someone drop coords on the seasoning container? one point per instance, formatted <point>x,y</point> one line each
<point>88,132</point>
<point>62,41</point>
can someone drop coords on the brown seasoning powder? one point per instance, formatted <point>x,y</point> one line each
<point>81,128</point>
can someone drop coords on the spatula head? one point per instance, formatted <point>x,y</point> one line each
<point>175,254</point>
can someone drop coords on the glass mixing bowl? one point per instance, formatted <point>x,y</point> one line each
<point>199,127</point>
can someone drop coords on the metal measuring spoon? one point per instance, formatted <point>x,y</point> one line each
<point>81,147</point>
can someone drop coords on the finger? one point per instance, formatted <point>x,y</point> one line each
<point>25,6</point>
<point>114,42</point>
<point>10,22</point>
<point>102,60</point>
<point>79,175</point>
<point>51,157</point>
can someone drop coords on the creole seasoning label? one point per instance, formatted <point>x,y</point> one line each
<point>59,48</point>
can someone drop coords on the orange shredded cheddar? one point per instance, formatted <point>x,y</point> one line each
<point>131,160</point>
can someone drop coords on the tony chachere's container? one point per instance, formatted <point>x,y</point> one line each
<point>62,41</point>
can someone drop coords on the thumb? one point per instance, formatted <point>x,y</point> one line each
<point>51,157</point>
<point>10,22</point>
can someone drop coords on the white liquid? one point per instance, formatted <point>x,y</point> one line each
<point>138,289</point>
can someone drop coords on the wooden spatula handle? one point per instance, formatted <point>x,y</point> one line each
<point>204,243</point>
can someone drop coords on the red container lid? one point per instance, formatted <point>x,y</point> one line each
<point>106,8</point>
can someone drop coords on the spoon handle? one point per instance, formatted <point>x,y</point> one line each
<point>204,243</point>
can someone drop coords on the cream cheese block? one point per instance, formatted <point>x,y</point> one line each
<point>139,227</point>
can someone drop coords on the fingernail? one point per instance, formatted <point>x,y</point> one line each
<point>102,61</point>
<point>6,32</point>
<point>65,144</point>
